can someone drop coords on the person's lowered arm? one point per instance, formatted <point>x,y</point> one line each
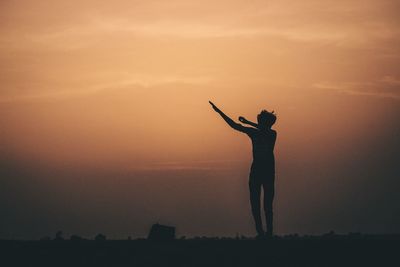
<point>229,121</point>
<point>246,121</point>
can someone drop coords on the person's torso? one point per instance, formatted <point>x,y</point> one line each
<point>263,143</point>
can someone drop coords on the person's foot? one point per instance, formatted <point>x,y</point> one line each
<point>260,236</point>
<point>260,230</point>
<point>268,235</point>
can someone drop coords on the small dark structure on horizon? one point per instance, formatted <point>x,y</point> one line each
<point>161,232</point>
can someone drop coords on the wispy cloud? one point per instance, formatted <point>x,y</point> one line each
<point>387,87</point>
<point>200,165</point>
<point>349,23</point>
<point>74,37</point>
<point>132,80</point>
<point>391,80</point>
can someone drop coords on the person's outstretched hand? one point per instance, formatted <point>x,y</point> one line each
<point>242,119</point>
<point>214,106</point>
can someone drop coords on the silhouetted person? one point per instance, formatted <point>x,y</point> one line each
<point>262,173</point>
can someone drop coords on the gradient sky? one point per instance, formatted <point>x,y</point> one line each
<point>105,124</point>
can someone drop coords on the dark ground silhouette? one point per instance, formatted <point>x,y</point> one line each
<point>262,172</point>
<point>327,250</point>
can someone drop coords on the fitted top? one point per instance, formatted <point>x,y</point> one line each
<point>263,143</point>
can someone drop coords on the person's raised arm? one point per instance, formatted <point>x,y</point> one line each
<point>246,121</point>
<point>229,121</point>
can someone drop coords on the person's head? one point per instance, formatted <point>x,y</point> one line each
<point>266,119</point>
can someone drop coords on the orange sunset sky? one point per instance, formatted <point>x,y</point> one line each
<point>105,124</point>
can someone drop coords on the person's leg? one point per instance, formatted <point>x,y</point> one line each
<point>255,193</point>
<point>269,192</point>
